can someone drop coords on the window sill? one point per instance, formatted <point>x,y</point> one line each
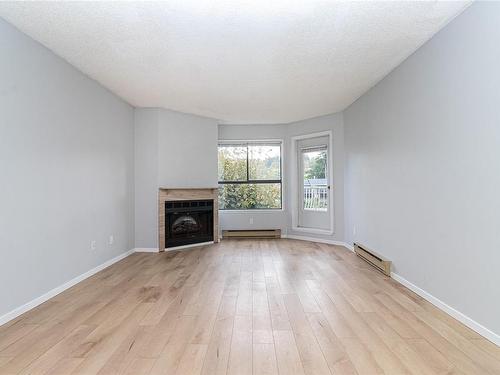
<point>327,232</point>
<point>252,211</point>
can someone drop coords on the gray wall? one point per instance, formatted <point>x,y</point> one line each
<point>187,150</point>
<point>172,150</point>
<point>146,177</point>
<point>422,166</point>
<point>282,219</point>
<point>67,164</point>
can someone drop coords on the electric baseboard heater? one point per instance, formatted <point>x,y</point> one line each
<point>376,260</point>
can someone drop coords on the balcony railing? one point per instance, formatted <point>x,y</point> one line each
<point>316,198</point>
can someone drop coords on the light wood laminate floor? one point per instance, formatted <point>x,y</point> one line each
<point>242,307</point>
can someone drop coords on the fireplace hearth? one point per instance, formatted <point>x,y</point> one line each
<point>188,222</point>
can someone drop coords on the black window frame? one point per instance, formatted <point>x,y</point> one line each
<point>249,181</point>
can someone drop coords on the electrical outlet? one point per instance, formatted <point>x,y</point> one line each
<point>354,230</point>
<point>251,220</point>
<point>111,240</point>
<point>93,245</point>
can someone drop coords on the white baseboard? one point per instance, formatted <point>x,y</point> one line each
<point>314,239</point>
<point>54,292</point>
<point>472,324</point>
<point>349,246</point>
<point>146,250</point>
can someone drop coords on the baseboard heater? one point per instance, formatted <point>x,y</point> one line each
<point>252,233</point>
<point>376,260</point>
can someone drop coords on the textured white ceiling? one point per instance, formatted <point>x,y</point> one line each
<point>244,61</point>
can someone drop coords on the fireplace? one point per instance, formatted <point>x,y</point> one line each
<point>187,217</point>
<point>188,222</point>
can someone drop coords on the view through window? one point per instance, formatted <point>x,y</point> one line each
<point>250,175</point>
<point>314,163</point>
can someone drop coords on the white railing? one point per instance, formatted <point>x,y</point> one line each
<point>316,198</point>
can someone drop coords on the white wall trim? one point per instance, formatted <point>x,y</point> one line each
<point>294,189</point>
<point>349,246</point>
<point>313,239</point>
<point>472,324</point>
<point>54,292</point>
<point>146,250</point>
<point>326,232</point>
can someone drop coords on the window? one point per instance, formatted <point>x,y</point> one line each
<point>250,175</point>
<point>314,169</point>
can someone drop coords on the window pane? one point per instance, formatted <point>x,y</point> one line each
<point>232,163</point>
<point>248,196</point>
<point>315,182</point>
<point>264,162</point>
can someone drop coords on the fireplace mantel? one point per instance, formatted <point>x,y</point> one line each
<point>178,194</point>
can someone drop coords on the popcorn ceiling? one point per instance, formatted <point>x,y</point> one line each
<point>237,61</point>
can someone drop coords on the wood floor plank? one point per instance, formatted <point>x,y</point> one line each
<point>362,357</point>
<point>459,359</point>
<point>383,355</point>
<point>240,358</point>
<point>42,339</point>
<point>287,354</point>
<point>242,307</point>
<point>207,316</point>
<point>171,291</point>
<point>311,355</point>
<point>191,362</point>
<point>432,357</point>
<point>4,360</point>
<point>264,360</point>
<point>161,333</point>
<point>332,348</point>
<point>245,295</point>
<point>169,360</point>
<point>217,356</point>
<point>9,337</point>
<point>336,320</point>
<point>277,309</point>
<point>64,366</point>
<point>107,342</point>
<point>488,347</point>
<point>404,352</point>
<point>61,350</point>
<point>141,366</point>
<point>487,362</point>
<point>395,322</point>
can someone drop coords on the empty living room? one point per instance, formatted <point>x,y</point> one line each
<point>250,187</point>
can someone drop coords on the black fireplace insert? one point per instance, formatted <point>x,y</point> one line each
<point>188,222</point>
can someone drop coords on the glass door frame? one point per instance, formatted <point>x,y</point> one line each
<point>295,166</point>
